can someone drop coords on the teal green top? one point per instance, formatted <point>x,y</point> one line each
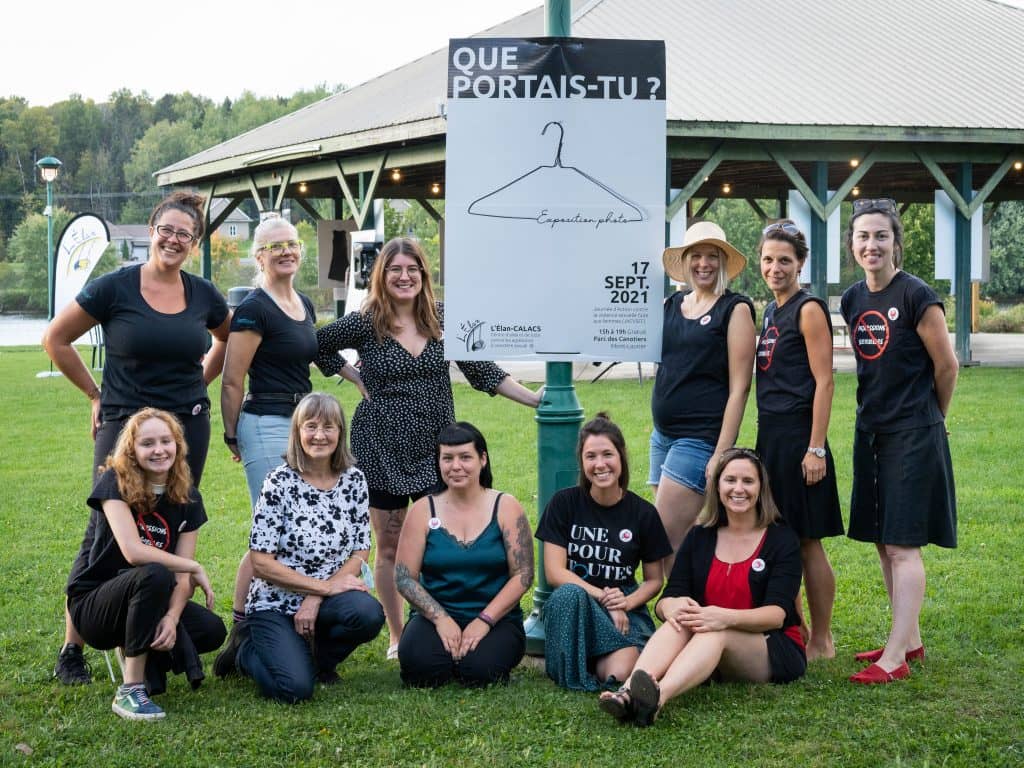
<point>464,578</point>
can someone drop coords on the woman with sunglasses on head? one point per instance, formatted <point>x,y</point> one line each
<point>407,397</point>
<point>273,342</point>
<point>707,361</point>
<point>794,403</point>
<point>132,588</point>
<point>156,321</point>
<point>730,604</point>
<point>465,560</point>
<point>903,492</point>
<point>308,608</point>
<point>595,537</point>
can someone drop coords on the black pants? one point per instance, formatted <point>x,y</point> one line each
<point>126,610</point>
<point>426,664</point>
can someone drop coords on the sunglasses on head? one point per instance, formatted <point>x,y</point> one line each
<point>884,204</point>
<point>783,226</point>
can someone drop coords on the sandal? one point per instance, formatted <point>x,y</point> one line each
<point>645,696</point>
<point>618,704</point>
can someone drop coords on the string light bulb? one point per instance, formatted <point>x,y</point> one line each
<point>854,162</point>
<point>435,188</point>
<point>303,188</point>
<point>1018,165</point>
<point>396,175</point>
<point>726,189</point>
<point>855,191</point>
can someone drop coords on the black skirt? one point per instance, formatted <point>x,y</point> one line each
<point>810,510</point>
<point>903,490</point>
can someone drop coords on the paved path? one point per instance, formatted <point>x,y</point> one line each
<point>1003,350</point>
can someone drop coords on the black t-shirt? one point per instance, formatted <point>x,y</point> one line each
<point>895,374</point>
<point>605,544</point>
<point>160,528</point>
<point>152,358</point>
<point>692,385</point>
<point>785,384</point>
<point>287,347</point>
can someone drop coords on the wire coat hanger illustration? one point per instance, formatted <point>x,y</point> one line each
<point>562,185</point>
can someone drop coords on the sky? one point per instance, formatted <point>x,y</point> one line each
<point>220,48</point>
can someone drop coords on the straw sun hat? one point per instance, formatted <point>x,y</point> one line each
<point>698,234</point>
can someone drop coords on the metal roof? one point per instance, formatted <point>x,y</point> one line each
<point>945,66</point>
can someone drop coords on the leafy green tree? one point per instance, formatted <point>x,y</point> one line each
<point>29,136</point>
<point>79,130</point>
<point>1007,252</point>
<point>27,248</point>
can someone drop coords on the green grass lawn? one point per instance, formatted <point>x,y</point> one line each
<point>962,709</point>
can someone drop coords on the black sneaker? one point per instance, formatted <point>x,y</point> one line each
<point>224,664</point>
<point>72,668</point>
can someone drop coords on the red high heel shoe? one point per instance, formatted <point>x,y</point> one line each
<point>875,675</point>
<point>917,654</point>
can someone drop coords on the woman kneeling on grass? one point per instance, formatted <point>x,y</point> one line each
<point>131,589</point>
<point>308,608</point>
<point>730,604</point>
<point>465,559</point>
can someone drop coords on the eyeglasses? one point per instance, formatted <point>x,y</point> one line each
<point>783,226</point>
<point>311,428</point>
<point>276,249</point>
<point>182,236</point>
<point>883,204</point>
<point>413,271</point>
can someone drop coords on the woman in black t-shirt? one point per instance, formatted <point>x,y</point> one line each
<point>707,360</point>
<point>131,589</point>
<point>156,321</point>
<point>595,536</point>
<point>903,494</point>
<point>794,403</point>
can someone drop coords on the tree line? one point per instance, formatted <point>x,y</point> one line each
<point>110,151</point>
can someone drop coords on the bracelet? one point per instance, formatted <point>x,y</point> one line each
<point>486,619</point>
<point>230,440</point>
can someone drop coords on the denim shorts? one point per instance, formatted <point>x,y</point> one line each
<point>683,459</point>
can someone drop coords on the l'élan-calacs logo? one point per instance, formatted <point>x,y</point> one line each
<point>472,335</point>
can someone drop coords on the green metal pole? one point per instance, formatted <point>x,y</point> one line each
<point>558,418</point>
<point>962,266</point>
<point>819,233</point>
<point>51,257</point>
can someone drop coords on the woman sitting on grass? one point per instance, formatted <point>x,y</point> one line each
<point>730,604</point>
<point>595,536</point>
<point>465,559</point>
<point>131,589</point>
<point>308,608</point>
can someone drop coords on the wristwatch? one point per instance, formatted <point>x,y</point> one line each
<point>819,452</point>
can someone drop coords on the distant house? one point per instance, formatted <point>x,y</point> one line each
<point>131,241</point>
<point>237,226</point>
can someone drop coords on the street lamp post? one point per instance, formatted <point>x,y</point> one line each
<point>49,167</point>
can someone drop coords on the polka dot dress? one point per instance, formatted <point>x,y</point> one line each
<point>394,431</point>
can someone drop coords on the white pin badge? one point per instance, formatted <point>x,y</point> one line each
<point>435,523</point>
<point>625,535</point>
<point>757,566</point>
<point>197,409</point>
<point>893,313</point>
<point>705,320</point>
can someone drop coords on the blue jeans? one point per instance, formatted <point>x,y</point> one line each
<point>262,442</point>
<point>284,665</point>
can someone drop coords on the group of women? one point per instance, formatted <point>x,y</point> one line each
<point>462,556</point>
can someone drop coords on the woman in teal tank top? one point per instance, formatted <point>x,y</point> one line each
<point>464,561</point>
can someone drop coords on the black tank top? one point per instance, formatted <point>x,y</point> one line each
<point>785,384</point>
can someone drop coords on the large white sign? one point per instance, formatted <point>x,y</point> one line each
<point>79,249</point>
<point>945,242</point>
<point>554,199</point>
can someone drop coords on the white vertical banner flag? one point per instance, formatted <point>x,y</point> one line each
<point>79,249</point>
<point>554,199</point>
<point>945,241</point>
<point>800,213</point>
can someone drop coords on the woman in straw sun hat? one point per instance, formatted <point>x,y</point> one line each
<point>707,360</point>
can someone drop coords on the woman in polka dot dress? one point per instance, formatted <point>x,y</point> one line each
<point>408,397</point>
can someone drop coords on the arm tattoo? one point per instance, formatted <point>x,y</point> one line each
<point>417,596</point>
<point>521,551</point>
